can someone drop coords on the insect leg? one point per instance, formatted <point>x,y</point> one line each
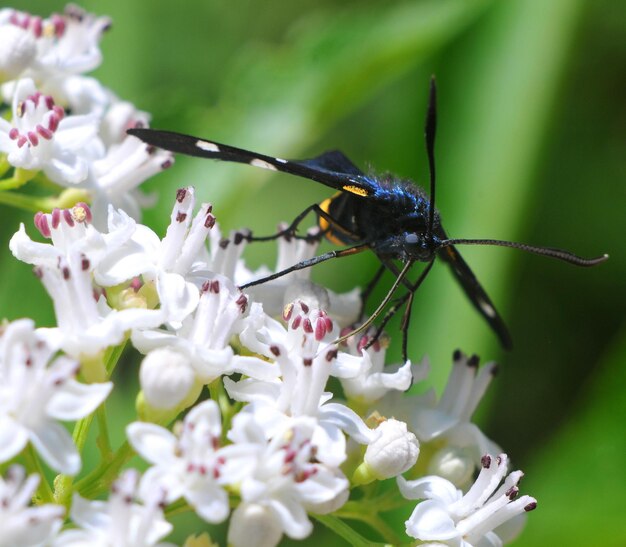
<point>291,229</point>
<point>381,306</point>
<point>308,263</point>
<point>408,297</point>
<point>365,293</point>
<point>404,326</point>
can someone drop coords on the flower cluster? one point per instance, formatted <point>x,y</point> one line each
<point>250,409</point>
<point>63,125</point>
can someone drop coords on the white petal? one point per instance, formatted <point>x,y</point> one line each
<point>178,297</point>
<point>13,438</point>
<point>210,502</point>
<point>154,443</point>
<point>429,521</point>
<point>431,487</point>
<point>75,400</point>
<point>293,517</point>
<point>348,420</point>
<point>56,447</point>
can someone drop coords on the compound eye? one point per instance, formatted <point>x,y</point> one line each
<point>411,239</point>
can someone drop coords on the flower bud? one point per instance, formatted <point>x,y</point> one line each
<point>167,379</point>
<point>453,464</point>
<point>253,524</point>
<point>392,452</point>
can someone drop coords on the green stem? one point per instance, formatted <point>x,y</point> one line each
<point>33,465</point>
<point>103,441</point>
<point>4,165</point>
<point>20,178</point>
<point>101,478</point>
<point>373,520</point>
<point>344,531</point>
<point>24,202</point>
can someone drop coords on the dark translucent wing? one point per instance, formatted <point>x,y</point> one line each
<point>314,169</point>
<point>476,294</point>
<point>334,160</point>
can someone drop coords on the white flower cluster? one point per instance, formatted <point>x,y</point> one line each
<point>274,446</point>
<point>63,123</point>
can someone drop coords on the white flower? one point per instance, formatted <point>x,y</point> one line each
<point>305,364</point>
<point>86,324</point>
<point>282,475</point>
<point>119,522</point>
<point>127,162</point>
<point>375,379</point>
<point>446,423</point>
<point>66,44</point>
<point>172,264</point>
<point>188,464</point>
<point>20,524</point>
<point>42,137</point>
<point>202,344</point>
<point>394,450</point>
<point>450,517</point>
<point>35,393</point>
<point>276,294</point>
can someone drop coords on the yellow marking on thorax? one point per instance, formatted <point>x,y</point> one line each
<point>357,190</point>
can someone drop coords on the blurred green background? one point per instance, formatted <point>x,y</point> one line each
<point>530,147</point>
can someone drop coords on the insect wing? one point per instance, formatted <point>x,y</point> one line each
<point>476,293</point>
<point>336,161</point>
<point>316,169</point>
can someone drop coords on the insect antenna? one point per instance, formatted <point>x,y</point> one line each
<point>559,254</point>
<point>430,130</point>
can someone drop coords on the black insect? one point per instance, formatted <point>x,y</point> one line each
<point>393,218</point>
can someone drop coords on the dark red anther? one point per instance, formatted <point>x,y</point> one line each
<point>56,217</point>
<point>209,221</point>
<point>224,243</point>
<point>238,238</point>
<point>215,286</point>
<point>180,216</point>
<point>307,361</point>
<point>41,222</point>
<point>275,350</point>
<point>512,492</point>
<point>180,194</point>
<point>473,361</point>
<point>457,355</point>
<point>68,218</point>
<point>305,307</point>
<point>242,302</point>
<point>485,461</point>
<point>320,329</point>
<point>307,326</point>
<point>84,263</point>
<point>33,138</point>
<point>44,132</point>
<point>331,355</point>
<point>205,286</point>
<point>167,164</point>
<point>66,273</point>
<point>531,506</point>
<point>296,322</point>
